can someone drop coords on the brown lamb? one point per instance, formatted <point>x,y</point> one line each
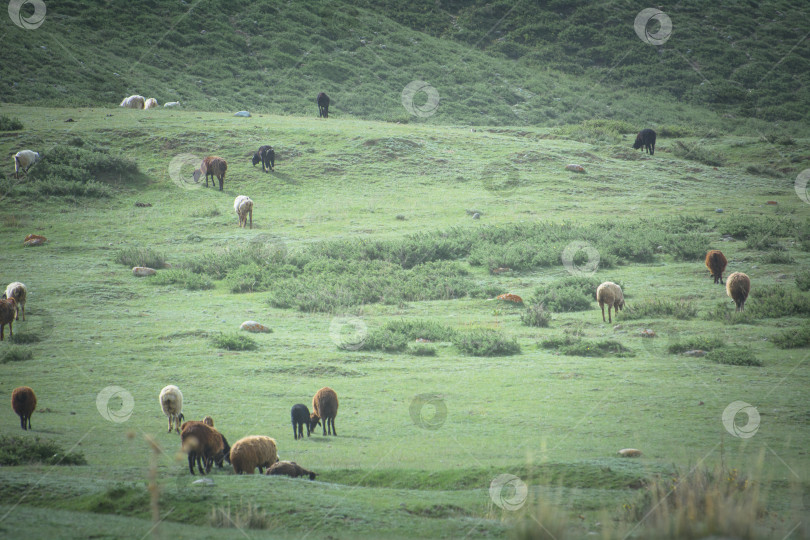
<point>325,405</point>
<point>24,402</point>
<point>738,285</point>
<point>290,468</point>
<point>8,310</point>
<point>716,263</point>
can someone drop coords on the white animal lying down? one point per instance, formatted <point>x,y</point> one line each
<point>172,104</point>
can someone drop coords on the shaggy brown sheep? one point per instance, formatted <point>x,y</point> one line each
<point>716,263</point>
<point>738,285</point>
<point>253,451</point>
<point>24,402</point>
<point>204,445</point>
<point>8,310</point>
<point>325,405</point>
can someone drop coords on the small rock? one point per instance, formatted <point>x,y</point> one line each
<point>781,276</point>
<point>253,326</point>
<point>660,248</point>
<point>629,452</point>
<point>204,482</point>
<point>142,271</point>
<point>695,352</point>
<point>476,216</point>
<point>648,333</point>
<point>243,114</point>
<point>718,210</point>
<point>575,168</point>
<point>701,403</point>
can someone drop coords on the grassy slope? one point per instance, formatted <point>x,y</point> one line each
<point>553,420</point>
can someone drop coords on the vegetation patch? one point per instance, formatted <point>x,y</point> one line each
<point>573,293</point>
<point>574,345</point>
<point>24,338</point>
<point>734,356</point>
<point>658,307</point>
<point>698,152</point>
<point>244,516</point>
<point>803,281</point>
<point>8,123</point>
<point>234,342</point>
<point>704,343</point>
<point>395,336</point>
<point>536,315</point>
<point>486,342</point>
<point>184,278</point>
<point>773,301</point>
<point>792,339</point>
<point>14,353</point>
<point>18,450</point>
<point>140,256</point>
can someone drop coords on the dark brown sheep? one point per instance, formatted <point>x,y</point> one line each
<point>325,405</point>
<point>24,403</point>
<point>266,156</point>
<point>646,139</point>
<point>290,468</point>
<point>716,263</point>
<point>8,310</point>
<point>204,445</point>
<point>738,285</point>
<point>323,105</point>
<point>212,166</point>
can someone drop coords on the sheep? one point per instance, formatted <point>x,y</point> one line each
<point>716,263</point>
<point>23,161</point>
<point>150,103</point>
<point>289,468</point>
<point>299,414</point>
<point>8,310</point>
<point>208,421</point>
<point>171,104</point>
<point>738,285</point>
<point>212,166</point>
<point>323,105</point>
<point>646,139</point>
<point>18,292</point>
<point>325,405</point>
<point>204,446</point>
<point>171,401</point>
<point>611,294</point>
<point>266,156</point>
<point>24,403</point>
<point>133,102</point>
<point>243,206</point>
<point>253,451</point>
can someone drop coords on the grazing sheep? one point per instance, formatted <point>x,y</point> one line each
<point>300,418</point>
<point>8,310</point>
<point>23,161</point>
<point>243,206</point>
<point>171,401</point>
<point>646,139</point>
<point>716,263</point>
<point>323,105</point>
<point>266,156</point>
<point>253,451</point>
<point>738,285</point>
<point>208,421</point>
<point>150,103</point>
<point>204,446</point>
<point>18,292</point>
<point>212,166</point>
<point>325,405</point>
<point>133,102</point>
<point>24,403</point>
<point>611,294</point>
<point>289,468</point>
<point>172,104</point>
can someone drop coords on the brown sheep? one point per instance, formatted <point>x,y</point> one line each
<point>325,405</point>
<point>611,294</point>
<point>18,292</point>
<point>212,166</point>
<point>290,468</point>
<point>716,263</point>
<point>204,445</point>
<point>8,310</point>
<point>738,285</point>
<point>253,451</point>
<point>208,421</point>
<point>24,402</point>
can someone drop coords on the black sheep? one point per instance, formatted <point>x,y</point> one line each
<point>645,138</point>
<point>323,105</point>
<point>300,418</point>
<point>266,156</point>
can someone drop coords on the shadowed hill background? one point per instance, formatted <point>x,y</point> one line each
<point>491,62</point>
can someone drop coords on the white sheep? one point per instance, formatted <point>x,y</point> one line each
<point>23,161</point>
<point>611,294</point>
<point>18,292</point>
<point>243,206</point>
<point>150,103</point>
<point>133,102</point>
<point>172,104</point>
<point>171,401</point>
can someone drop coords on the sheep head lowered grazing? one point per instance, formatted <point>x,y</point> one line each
<point>610,294</point>
<point>212,166</point>
<point>646,139</point>
<point>738,285</point>
<point>24,403</point>
<point>266,156</point>
<point>325,405</point>
<point>716,263</point>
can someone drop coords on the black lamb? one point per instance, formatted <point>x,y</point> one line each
<point>300,418</point>
<point>645,138</point>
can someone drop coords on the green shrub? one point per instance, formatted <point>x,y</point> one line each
<point>803,280</point>
<point>698,152</point>
<point>10,124</point>
<point>184,278</point>
<point>734,356</point>
<point>394,336</point>
<point>24,338</point>
<point>233,342</point>
<point>725,312</point>
<point>772,301</point>
<point>18,450</point>
<point>422,350</point>
<point>486,342</point>
<point>678,309</point>
<point>778,257</point>
<point>705,343</point>
<point>140,256</point>
<point>689,247</point>
<point>14,353</point>
<point>573,293</point>
<point>765,229</point>
<point>575,345</point>
<point>793,338</point>
<point>536,315</point>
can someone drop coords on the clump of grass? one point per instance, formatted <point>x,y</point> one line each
<point>763,170</point>
<point>803,280</point>
<point>140,256</point>
<point>16,450</point>
<point>183,278</point>
<point>575,345</point>
<point>793,339</point>
<point>15,353</point>
<point>422,350</point>
<point>734,356</point>
<point>778,257</point>
<point>573,293</point>
<point>600,130</point>
<point>772,301</point>
<point>689,247</point>
<point>394,336</point>
<point>24,338</point>
<point>724,312</point>
<point>536,315</point>
<point>699,153</point>
<point>543,521</point>
<point>704,343</point>
<point>486,342</point>
<point>246,516</point>
<point>658,307</point>
<point>210,212</point>
<point>742,227</point>
<point>8,123</point>
<point>233,342</point>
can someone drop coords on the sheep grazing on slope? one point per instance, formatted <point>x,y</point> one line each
<point>323,105</point>
<point>18,292</point>
<point>171,401</point>
<point>325,405</point>
<point>251,452</point>
<point>738,285</point>
<point>204,446</point>
<point>243,206</point>
<point>133,102</point>
<point>266,156</point>
<point>24,403</point>
<point>610,294</point>
<point>299,414</point>
<point>289,468</point>
<point>645,139</point>
<point>23,161</point>
<point>8,310</point>
<point>212,166</point>
<point>150,103</point>
<point>716,263</point>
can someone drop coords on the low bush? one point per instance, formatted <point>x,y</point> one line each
<point>793,338</point>
<point>233,342</point>
<point>734,356</point>
<point>699,153</point>
<point>573,293</point>
<point>18,450</point>
<point>14,353</point>
<point>8,123</point>
<point>704,343</point>
<point>575,345</point>
<point>246,516</point>
<point>803,281</point>
<point>486,342</point>
<point>140,256</point>
<point>651,309</point>
<point>778,257</point>
<point>183,278</point>
<point>24,338</point>
<point>772,301</point>
<point>536,315</point>
<point>395,336</point>
<point>422,350</point>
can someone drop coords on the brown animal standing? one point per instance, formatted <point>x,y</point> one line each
<point>24,403</point>
<point>738,285</point>
<point>8,310</point>
<point>212,166</point>
<point>204,445</point>
<point>325,405</point>
<point>609,294</point>
<point>716,263</point>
